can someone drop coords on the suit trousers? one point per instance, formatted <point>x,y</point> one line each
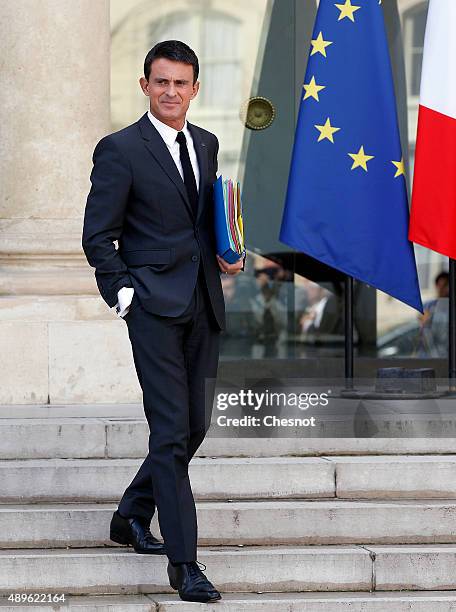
<point>173,357</point>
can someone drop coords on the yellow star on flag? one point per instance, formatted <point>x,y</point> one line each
<point>347,10</point>
<point>400,167</point>
<point>312,89</point>
<point>360,159</point>
<point>326,131</point>
<point>319,45</point>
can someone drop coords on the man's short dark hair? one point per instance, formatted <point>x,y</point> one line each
<point>174,50</point>
<point>442,276</point>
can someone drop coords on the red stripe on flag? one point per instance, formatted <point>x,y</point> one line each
<point>433,213</point>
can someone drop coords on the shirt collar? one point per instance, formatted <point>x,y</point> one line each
<point>166,132</point>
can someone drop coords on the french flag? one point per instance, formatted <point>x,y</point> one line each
<point>433,212</point>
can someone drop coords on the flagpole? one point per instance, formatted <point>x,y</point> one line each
<point>452,326</point>
<point>348,332</point>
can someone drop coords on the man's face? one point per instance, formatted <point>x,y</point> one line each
<point>314,293</point>
<point>443,289</point>
<point>170,88</point>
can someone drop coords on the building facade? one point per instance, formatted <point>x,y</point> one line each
<point>70,75</point>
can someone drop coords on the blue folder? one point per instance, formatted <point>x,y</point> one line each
<point>229,231</point>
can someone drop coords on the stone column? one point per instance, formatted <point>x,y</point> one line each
<point>55,106</point>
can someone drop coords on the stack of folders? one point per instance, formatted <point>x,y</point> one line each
<point>229,228</point>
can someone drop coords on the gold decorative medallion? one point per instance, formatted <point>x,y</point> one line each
<point>257,113</point>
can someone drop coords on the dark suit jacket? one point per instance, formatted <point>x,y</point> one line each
<point>139,199</point>
<point>331,322</point>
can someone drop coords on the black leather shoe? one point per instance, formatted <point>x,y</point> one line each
<point>191,583</point>
<point>135,532</point>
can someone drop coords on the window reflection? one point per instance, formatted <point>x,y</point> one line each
<point>424,335</point>
<point>257,310</point>
<point>273,313</point>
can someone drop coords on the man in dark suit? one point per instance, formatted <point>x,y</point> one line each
<point>152,186</point>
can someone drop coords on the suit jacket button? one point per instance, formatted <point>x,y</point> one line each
<point>194,257</point>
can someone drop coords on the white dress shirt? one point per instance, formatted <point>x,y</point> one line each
<point>169,134</point>
<point>317,310</point>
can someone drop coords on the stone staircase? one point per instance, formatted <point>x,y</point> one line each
<point>292,525</point>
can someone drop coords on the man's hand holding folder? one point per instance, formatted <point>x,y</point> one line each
<point>229,228</point>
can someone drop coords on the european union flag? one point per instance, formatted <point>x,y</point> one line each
<point>346,201</point>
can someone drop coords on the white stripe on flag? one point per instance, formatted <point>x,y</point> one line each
<point>438,76</point>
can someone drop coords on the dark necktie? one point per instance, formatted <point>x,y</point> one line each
<point>189,177</point>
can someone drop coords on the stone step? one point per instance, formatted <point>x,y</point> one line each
<point>345,477</point>
<point>410,601</point>
<point>395,477</point>
<point>121,431</point>
<point>219,478</point>
<point>437,601</point>
<point>284,522</point>
<point>248,569</point>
